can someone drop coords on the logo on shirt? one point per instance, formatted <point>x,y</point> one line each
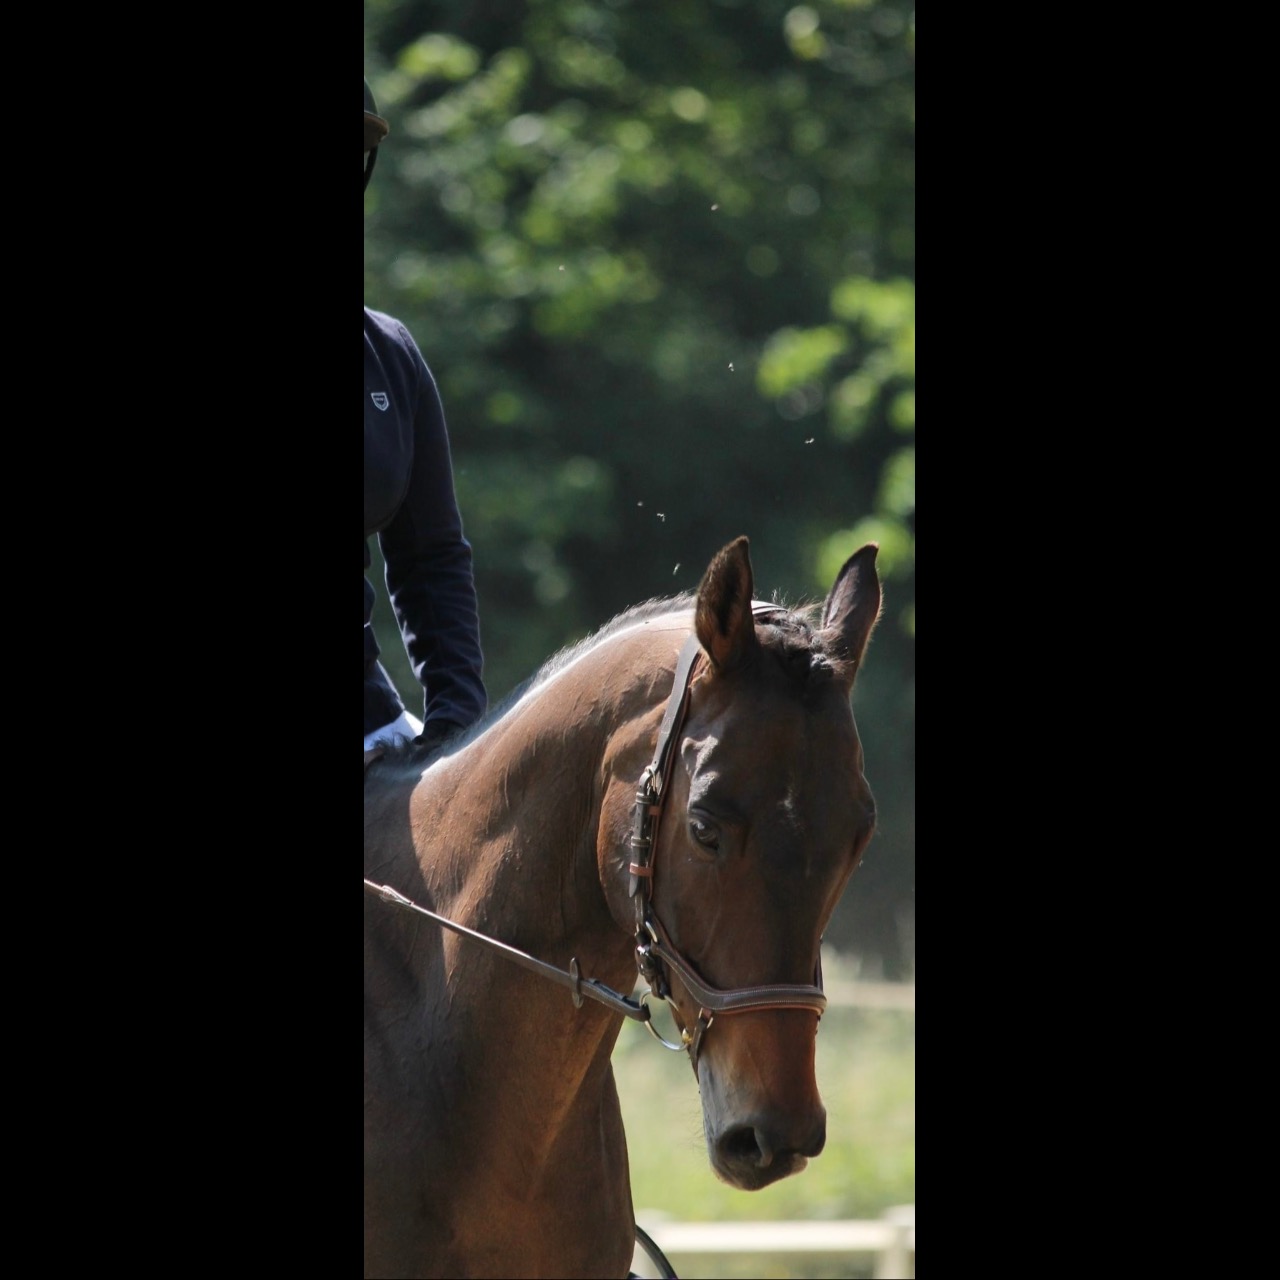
<point>379,398</point>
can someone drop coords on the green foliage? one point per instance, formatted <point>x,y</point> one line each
<point>795,357</point>
<point>660,257</point>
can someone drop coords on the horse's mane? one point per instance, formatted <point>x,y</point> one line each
<point>655,608</point>
<point>797,643</point>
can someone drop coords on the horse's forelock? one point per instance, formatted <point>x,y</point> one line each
<point>792,636</point>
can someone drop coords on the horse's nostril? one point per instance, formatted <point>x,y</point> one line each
<point>759,1147</point>
<point>746,1145</point>
<point>816,1141</point>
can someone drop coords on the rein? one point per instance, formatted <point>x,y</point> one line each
<point>571,978</point>
<point>654,948</point>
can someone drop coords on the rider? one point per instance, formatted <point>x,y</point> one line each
<point>410,505</point>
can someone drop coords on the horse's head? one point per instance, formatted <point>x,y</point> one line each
<point>765,813</point>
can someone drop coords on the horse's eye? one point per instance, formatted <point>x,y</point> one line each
<point>704,833</point>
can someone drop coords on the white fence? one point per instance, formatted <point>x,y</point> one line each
<point>844,994</point>
<point>690,1246</point>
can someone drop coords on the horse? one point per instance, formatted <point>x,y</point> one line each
<point>679,797</point>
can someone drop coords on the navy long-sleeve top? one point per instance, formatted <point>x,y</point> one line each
<point>410,505</point>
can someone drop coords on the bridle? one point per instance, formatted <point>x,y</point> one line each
<point>654,948</point>
<point>656,955</point>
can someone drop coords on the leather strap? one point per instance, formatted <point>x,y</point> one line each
<point>715,1000</point>
<point>677,703</point>
<point>578,985</point>
<point>648,802</point>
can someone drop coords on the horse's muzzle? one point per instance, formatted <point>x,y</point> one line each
<point>754,1154</point>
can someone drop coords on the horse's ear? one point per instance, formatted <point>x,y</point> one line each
<point>853,608</point>
<point>724,623</point>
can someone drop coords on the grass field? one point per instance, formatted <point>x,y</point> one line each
<point>866,1074</point>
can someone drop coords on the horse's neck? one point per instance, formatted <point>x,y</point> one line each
<point>502,837</point>
<point>506,829</point>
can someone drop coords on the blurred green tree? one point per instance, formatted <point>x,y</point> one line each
<point>660,257</point>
